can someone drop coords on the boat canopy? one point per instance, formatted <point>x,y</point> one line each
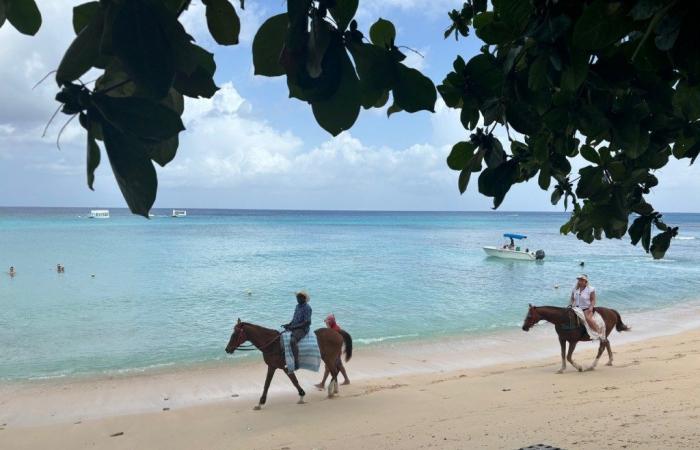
<point>514,236</point>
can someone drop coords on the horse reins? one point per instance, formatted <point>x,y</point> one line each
<point>250,346</point>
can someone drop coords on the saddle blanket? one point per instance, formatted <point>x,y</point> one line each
<point>597,318</point>
<point>309,354</point>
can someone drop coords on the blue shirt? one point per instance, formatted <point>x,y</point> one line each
<point>302,313</point>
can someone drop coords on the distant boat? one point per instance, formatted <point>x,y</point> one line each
<point>99,214</point>
<point>179,213</point>
<point>511,251</point>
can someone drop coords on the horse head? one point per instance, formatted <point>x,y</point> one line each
<point>237,337</point>
<point>531,318</point>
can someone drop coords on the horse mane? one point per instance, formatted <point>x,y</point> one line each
<point>556,309</point>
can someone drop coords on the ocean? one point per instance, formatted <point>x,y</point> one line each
<point>141,294</point>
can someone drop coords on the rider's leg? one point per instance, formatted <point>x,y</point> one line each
<point>322,384</point>
<point>341,367</point>
<point>588,314</point>
<point>297,335</point>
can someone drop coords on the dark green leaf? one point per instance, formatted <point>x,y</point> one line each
<point>516,13</point>
<point>223,22</point>
<point>140,117</point>
<point>268,44</point>
<point>82,15</point>
<point>163,152</point>
<point>393,109</point>
<point>600,24</point>
<point>132,169</point>
<point>485,76</point>
<point>23,15</point>
<point>575,73</point>
<point>93,158</point>
<point>198,84</point>
<point>460,155</point>
<point>537,77</point>
<point>83,52</point>
<point>522,118</point>
<point>414,91</point>
<point>142,46</point>
<point>556,196</point>
<point>660,244</point>
<point>496,182</point>
<point>382,33</point>
<point>343,12</point>
<point>544,179</point>
<point>463,181</point>
<point>3,13</point>
<point>339,112</point>
<point>590,154</point>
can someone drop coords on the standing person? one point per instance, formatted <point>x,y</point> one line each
<point>583,296</point>
<point>300,324</point>
<point>332,324</point>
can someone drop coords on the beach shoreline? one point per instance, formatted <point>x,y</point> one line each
<point>646,400</point>
<point>66,400</point>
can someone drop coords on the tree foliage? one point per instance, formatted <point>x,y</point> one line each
<point>613,83</point>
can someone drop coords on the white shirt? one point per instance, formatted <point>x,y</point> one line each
<point>582,297</point>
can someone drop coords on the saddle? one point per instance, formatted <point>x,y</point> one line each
<point>574,323</point>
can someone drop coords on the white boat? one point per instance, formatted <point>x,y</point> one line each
<point>512,251</point>
<point>99,214</point>
<point>179,213</point>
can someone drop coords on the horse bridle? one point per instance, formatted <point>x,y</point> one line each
<point>250,346</point>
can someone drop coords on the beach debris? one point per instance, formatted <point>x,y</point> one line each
<point>166,398</point>
<point>166,409</point>
<point>121,433</point>
<point>78,422</point>
<point>235,395</point>
<point>540,446</point>
<point>505,390</point>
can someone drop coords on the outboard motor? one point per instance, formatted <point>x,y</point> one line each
<point>539,254</point>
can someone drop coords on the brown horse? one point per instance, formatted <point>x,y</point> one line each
<point>568,329</point>
<point>330,344</point>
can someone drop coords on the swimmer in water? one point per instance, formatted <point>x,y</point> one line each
<point>12,271</point>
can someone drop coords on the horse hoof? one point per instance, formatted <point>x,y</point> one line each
<point>257,408</point>
<point>609,363</point>
<point>580,369</point>
<point>560,371</point>
<point>590,369</point>
<point>301,401</point>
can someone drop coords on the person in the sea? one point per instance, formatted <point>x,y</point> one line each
<point>12,271</point>
<point>583,296</point>
<point>332,324</point>
<point>300,324</point>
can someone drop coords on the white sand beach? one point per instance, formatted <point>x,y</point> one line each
<point>461,393</point>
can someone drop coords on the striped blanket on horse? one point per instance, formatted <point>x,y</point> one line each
<point>309,355</point>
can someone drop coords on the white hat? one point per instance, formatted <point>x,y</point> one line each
<point>583,276</point>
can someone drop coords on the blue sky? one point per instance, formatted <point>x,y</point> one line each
<point>251,146</point>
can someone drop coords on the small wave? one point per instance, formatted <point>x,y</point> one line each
<point>685,238</point>
<point>383,338</point>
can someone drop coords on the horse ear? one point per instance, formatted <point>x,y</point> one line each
<point>239,320</point>
<point>530,305</point>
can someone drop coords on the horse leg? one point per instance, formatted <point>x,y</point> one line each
<point>295,382</point>
<point>562,343</point>
<point>610,355</point>
<point>333,385</point>
<point>268,380</point>
<point>601,347</point>
<point>572,347</point>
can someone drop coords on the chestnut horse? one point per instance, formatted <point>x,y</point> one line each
<point>563,321</point>
<point>330,344</point>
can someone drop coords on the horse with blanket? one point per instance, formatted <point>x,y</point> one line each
<point>271,344</point>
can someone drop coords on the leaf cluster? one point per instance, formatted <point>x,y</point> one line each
<point>616,83</point>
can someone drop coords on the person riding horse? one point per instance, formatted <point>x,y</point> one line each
<point>583,296</point>
<point>300,324</point>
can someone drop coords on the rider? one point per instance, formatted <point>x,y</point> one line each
<point>300,324</point>
<point>583,296</point>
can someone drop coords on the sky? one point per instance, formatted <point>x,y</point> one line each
<point>252,147</point>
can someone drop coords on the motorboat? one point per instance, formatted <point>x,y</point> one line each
<point>99,214</point>
<point>513,251</point>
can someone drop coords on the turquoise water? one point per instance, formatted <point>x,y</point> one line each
<point>166,291</point>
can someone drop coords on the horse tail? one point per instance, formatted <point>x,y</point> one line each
<point>348,344</point>
<point>619,326</point>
